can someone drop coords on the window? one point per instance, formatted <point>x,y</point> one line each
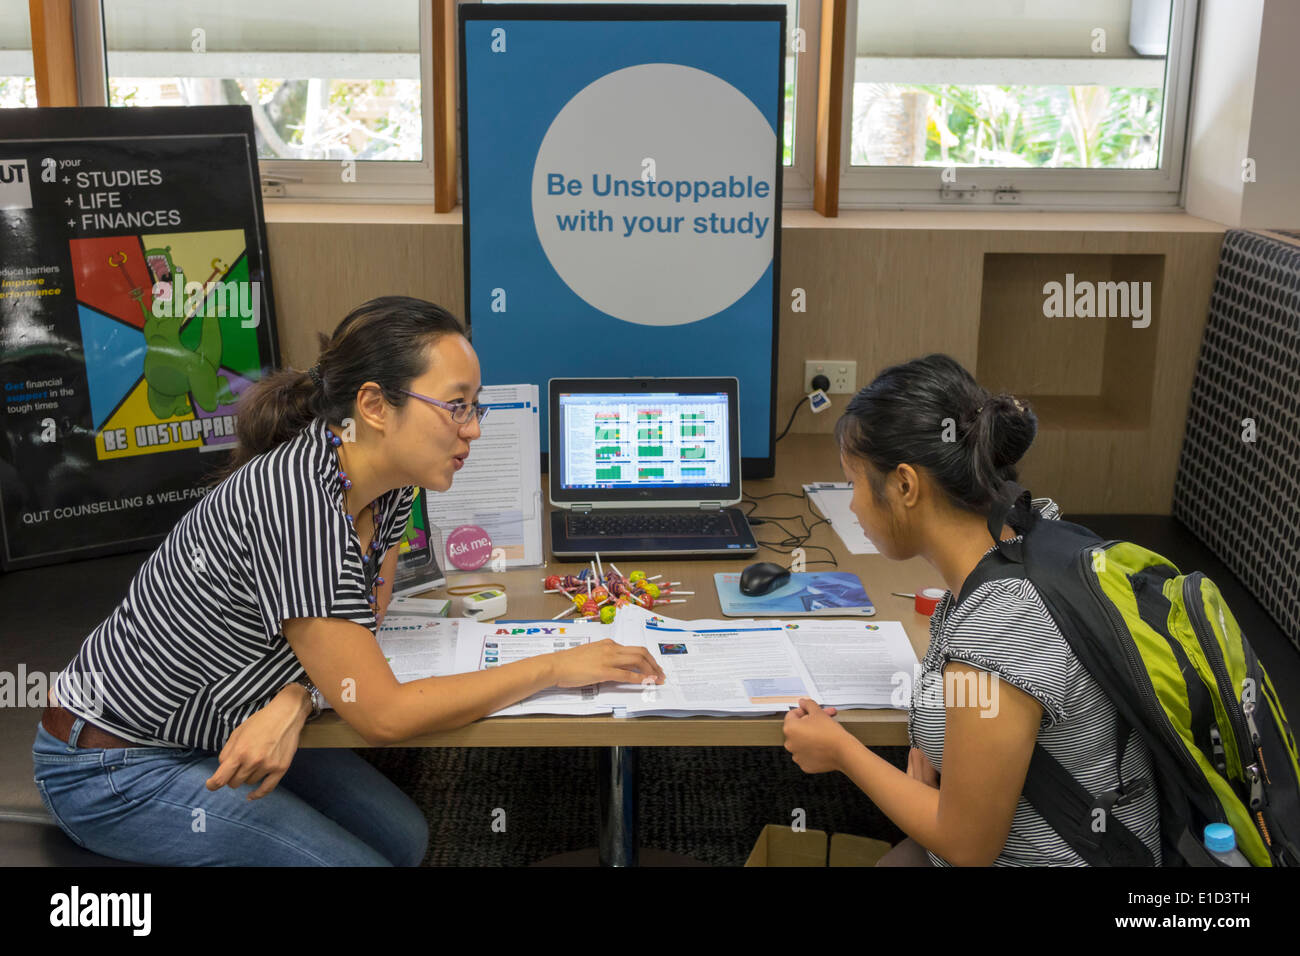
<point>17,86</point>
<point>338,90</point>
<point>1058,102</point>
<point>801,45</point>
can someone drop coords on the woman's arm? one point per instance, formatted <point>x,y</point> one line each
<point>345,663</point>
<point>986,755</point>
<point>262,747</point>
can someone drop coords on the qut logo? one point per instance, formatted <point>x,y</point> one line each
<point>15,188</point>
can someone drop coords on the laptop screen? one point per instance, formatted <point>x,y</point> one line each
<point>666,439</point>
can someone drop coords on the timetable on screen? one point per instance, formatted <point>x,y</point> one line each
<point>640,440</point>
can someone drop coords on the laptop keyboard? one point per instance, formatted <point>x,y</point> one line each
<point>693,524</point>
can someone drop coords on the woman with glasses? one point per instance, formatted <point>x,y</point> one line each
<point>172,737</point>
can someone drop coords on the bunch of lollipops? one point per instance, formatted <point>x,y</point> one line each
<point>598,594</point>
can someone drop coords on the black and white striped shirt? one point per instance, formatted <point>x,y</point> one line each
<point>1003,628</point>
<point>196,646</point>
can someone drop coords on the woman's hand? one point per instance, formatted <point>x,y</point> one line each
<point>263,745</point>
<point>602,661</point>
<point>919,766</point>
<point>814,739</point>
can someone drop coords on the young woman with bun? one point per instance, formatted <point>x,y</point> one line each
<point>199,683</point>
<point>928,450</point>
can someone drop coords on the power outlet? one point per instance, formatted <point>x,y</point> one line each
<point>843,376</point>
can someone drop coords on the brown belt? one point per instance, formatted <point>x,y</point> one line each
<point>58,721</point>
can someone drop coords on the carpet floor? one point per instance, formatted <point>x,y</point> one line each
<point>709,803</point>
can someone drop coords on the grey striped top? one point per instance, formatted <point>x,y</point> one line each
<point>1003,628</point>
<point>196,645</point>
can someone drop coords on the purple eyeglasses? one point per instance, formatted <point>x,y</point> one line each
<point>461,412</point>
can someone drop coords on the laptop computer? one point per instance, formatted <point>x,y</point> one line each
<point>646,466</point>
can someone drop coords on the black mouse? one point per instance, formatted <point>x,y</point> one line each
<point>758,579</point>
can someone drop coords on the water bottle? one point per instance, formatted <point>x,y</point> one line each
<point>1221,843</point>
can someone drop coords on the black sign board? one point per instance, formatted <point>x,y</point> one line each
<point>135,307</point>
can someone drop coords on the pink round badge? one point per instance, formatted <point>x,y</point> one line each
<point>469,547</point>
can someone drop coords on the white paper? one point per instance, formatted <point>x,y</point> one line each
<point>729,667</point>
<point>721,667</point>
<point>832,499</point>
<point>418,646</point>
<point>500,487</point>
<point>482,645</point>
<point>857,665</point>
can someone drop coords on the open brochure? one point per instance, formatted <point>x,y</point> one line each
<point>713,668</point>
<point>738,667</point>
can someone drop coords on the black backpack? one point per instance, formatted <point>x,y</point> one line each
<point>1167,651</point>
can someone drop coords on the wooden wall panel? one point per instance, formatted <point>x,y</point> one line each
<point>878,294</point>
<point>319,272</point>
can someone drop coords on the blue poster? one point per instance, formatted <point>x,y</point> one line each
<point>622,194</point>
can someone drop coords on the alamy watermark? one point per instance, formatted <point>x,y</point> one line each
<point>932,689</point>
<point>178,299</point>
<point>82,692</point>
<point>1101,300</point>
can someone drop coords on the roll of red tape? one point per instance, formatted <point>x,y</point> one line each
<point>927,599</point>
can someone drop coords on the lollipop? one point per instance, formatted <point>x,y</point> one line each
<point>652,589</point>
<point>636,576</point>
<point>607,614</point>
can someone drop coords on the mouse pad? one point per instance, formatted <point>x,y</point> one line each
<point>821,593</point>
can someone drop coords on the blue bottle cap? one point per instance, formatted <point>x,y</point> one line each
<point>1220,838</point>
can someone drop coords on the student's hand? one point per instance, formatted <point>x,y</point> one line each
<point>602,661</point>
<point>814,739</point>
<point>262,747</point>
<point>919,766</point>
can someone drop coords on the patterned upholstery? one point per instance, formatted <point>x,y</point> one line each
<point>1242,498</point>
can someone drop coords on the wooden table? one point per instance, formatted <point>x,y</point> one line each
<point>800,459</point>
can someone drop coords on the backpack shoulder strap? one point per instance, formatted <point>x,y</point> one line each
<point>1071,811</point>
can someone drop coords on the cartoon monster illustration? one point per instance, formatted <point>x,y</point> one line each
<point>172,371</point>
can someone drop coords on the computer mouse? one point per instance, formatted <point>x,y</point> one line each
<point>758,579</point>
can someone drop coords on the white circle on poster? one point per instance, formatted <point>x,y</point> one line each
<point>653,260</point>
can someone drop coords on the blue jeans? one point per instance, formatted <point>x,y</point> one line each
<point>150,805</point>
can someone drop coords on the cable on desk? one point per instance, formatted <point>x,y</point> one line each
<point>792,539</point>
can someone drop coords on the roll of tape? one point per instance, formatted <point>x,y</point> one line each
<point>927,599</point>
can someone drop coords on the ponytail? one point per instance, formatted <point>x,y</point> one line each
<point>931,413</point>
<point>385,341</point>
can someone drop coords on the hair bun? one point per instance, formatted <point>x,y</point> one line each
<point>1014,426</point>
